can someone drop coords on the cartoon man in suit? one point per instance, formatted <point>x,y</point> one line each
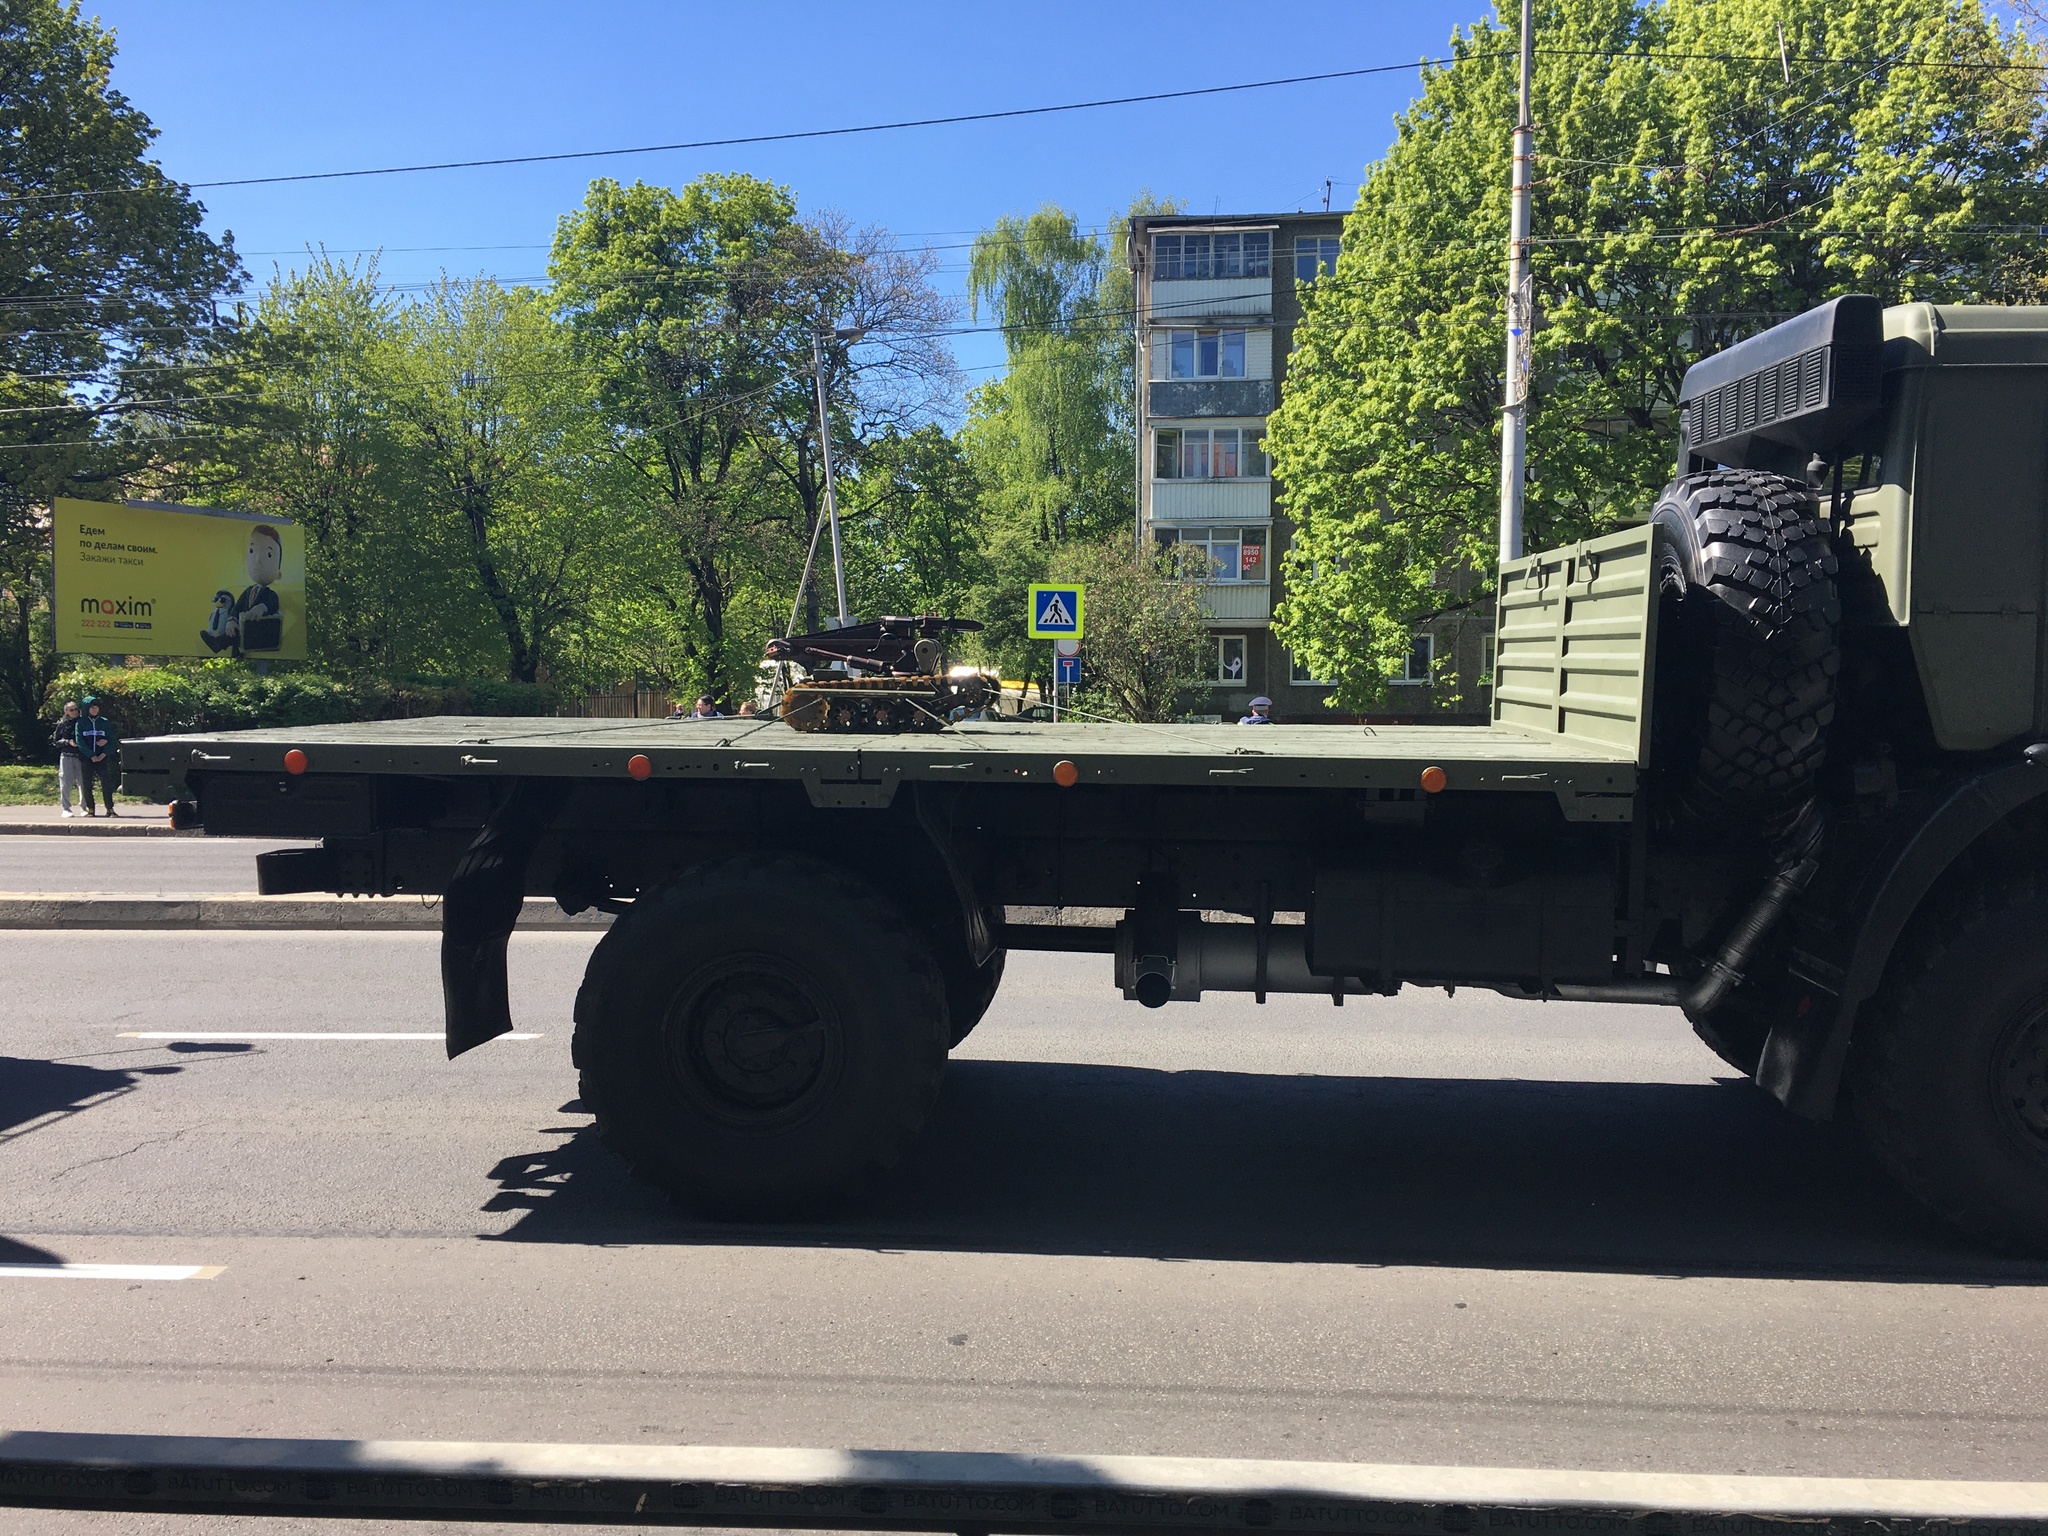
<point>256,617</point>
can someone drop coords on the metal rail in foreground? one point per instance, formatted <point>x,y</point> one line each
<point>960,1491</point>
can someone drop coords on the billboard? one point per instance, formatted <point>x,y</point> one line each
<point>147,578</point>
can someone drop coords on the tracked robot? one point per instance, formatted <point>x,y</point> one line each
<point>887,674</point>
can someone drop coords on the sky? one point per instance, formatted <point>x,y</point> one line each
<point>257,87</point>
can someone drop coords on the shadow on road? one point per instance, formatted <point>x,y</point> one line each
<point>38,1093</point>
<point>33,1090</point>
<point>1022,1157</point>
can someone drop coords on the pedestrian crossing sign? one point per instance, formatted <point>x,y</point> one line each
<point>1055,612</point>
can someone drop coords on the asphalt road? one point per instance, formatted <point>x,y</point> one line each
<point>182,866</point>
<point>1419,1229</point>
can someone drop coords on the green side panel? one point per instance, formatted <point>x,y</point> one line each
<point>861,771</point>
<point>1573,643</point>
<point>1979,537</point>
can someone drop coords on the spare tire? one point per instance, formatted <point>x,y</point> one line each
<point>1748,642</point>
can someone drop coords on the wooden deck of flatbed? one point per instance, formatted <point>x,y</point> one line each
<point>1592,782</point>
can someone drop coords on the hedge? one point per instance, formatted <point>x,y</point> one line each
<point>226,696</point>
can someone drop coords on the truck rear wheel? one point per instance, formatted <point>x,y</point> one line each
<point>1948,1075</point>
<point>1749,651</point>
<point>970,988</point>
<point>756,1035</point>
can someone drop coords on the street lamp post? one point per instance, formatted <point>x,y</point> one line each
<point>1514,424</point>
<point>843,333</point>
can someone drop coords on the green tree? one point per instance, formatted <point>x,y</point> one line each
<point>701,309</point>
<point>1682,203</point>
<point>881,330</point>
<point>691,307</point>
<point>311,437</point>
<point>105,332</point>
<point>1147,639</point>
<point>912,524</point>
<point>1058,422</point>
<point>502,448</point>
<point>1052,440</point>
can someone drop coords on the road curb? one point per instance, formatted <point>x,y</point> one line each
<point>963,1490</point>
<point>89,909</point>
<point>98,827</point>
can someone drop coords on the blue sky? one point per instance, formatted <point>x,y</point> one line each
<point>261,87</point>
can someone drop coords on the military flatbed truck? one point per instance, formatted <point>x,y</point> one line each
<point>1774,756</point>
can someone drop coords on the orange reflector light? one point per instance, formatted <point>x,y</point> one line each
<point>1065,774</point>
<point>1434,780</point>
<point>295,761</point>
<point>640,765</point>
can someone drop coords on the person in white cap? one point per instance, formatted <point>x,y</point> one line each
<point>1262,712</point>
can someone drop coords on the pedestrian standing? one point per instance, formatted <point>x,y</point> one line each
<point>1262,712</point>
<point>64,740</point>
<point>100,749</point>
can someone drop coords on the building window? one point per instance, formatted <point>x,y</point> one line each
<point>1228,662</point>
<point>1234,254</point>
<point>1314,259</point>
<point>1205,354</point>
<point>1208,453</point>
<point>1216,554</point>
<point>1421,654</point>
<point>1486,654</point>
<point>1302,675</point>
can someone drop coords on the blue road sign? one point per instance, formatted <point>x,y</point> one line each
<point>1067,669</point>
<point>1055,611</point>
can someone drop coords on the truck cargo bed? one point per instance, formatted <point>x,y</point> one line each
<point>1592,783</point>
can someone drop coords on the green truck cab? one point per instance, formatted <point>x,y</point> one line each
<point>1773,755</point>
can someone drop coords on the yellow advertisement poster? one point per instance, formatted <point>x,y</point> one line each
<point>146,578</point>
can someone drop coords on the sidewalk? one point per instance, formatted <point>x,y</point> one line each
<point>138,818</point>
<point>389,914</point>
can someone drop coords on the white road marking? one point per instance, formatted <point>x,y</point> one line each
<point>109,1271</point>
<point>289,1034</point>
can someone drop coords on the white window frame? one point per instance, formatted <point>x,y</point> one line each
<point>1296,664</point>
<point>1176,535</point>
<point>1324,255</point>
<point>1173,267</point>
<point>1424,642</point>
<point>1216,678</point>
<point>1247,446</point>
<point>1195,335</point>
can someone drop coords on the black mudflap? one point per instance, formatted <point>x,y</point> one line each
<point>483,902</point>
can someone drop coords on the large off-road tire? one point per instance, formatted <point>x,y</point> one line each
<point>970,988</point>
<point>1748,643</point>
<point>758,1034</point>
<point>1948,1072</point>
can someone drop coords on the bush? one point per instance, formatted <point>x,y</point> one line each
<point>226,696</point>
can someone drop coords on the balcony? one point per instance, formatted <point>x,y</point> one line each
<point>1238,602</point>
<point>1189,398</point>
<point>1212,501</point>
<point>1206,298</point>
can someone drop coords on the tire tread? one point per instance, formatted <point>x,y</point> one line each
<point>1884,1065</point>
<point>1763,553</point>
<point>822,885</point>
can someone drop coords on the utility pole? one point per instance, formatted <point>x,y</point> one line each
<point>1514,424</point>
<point>825,448</point>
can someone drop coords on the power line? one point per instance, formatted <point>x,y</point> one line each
<point>736,141</point>
<point>958,119</point>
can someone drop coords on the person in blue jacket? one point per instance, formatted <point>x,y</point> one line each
<point>99,754</point>
<point>1262,712</point>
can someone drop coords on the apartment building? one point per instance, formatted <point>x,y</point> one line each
<point>1217,306</point>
